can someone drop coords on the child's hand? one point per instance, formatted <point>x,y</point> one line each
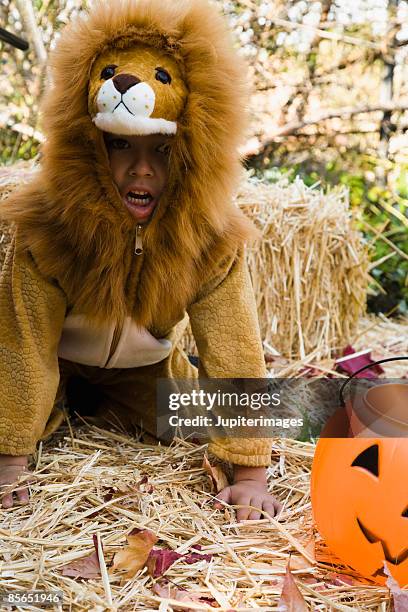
<point>10,469</point>
<point>249,489</point>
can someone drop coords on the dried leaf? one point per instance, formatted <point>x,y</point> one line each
<point>145,481</point>
<point>86,568</point>
<point>297,562</point>
<point>120,489</point>
<point>277,360</point>
<point>134,556</point>
<point>193,557</point>
<point>160,560</point>
<point>341,580</point>
<point>291,599</point>
<point>216,474</point>
<point>400,596</point>
<point>351,365</point>
<point>174,592</point>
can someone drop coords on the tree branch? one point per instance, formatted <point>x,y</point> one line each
<point>25,8</point>
<point>253,148</point>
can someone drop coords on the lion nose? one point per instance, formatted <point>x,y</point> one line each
<point>123,82</point>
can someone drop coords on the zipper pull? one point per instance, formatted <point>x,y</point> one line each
<point>138,241</point>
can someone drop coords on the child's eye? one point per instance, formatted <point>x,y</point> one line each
<point>164,148</point>
<point>118,143</point>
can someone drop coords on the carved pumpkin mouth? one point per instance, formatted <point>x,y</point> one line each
<point>403,556</point>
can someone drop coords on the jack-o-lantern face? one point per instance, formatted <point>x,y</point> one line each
<point>360,503</point>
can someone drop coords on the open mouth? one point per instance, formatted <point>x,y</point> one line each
<point>140,204</point>
<point>403,556</point>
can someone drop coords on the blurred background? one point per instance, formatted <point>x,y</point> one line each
<point>330,105</point>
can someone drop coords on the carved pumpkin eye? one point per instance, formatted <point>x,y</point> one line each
<point>163,76</point>
<point>108,72</point>
<point>368,460</point>
<point>405,513</point>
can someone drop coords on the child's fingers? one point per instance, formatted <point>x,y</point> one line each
<point>223,496</point>
<point>270,507</point>
<point>243,513</point>
<point>9,477</point>
<point>7,500</point>
<point>256,502</point>
<point>23,495</point>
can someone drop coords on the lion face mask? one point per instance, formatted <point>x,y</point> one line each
<point>136,91</point>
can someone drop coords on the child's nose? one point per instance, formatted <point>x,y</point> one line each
<point>141,165</point>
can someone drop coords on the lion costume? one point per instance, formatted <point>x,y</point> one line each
<point>85,291</point>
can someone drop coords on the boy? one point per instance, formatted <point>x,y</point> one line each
<point>129,225</point>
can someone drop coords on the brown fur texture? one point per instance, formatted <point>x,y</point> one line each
<point>71,216</point>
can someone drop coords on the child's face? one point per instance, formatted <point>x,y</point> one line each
<point>139,163</point>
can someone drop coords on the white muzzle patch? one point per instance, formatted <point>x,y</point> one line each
<point>129,113</point>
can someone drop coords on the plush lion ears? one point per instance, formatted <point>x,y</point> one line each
<point>136,91</point>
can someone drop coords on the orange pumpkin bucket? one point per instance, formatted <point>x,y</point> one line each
<point>359,484</point>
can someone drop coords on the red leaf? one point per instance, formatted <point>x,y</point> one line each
<point>351,365</point>
<point>193,557</point>
<point>291,599</point>
<point>160,560</point>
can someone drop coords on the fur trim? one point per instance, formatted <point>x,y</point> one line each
<point>71,216</point>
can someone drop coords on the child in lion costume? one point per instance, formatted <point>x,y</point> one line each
<point>128,230</point>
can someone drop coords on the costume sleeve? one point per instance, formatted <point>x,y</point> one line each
<point>224,322</point>
<point>32,311</point>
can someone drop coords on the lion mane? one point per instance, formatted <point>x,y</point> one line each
<point>71,217</point>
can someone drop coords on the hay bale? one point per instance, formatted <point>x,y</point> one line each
<point>310,271</point>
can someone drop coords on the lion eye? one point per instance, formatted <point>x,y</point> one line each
<point>163,76</point>
<point>108,72</point>
<point>368,459</point>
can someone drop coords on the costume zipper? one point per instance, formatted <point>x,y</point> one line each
<point>119,328</point>
<point>138,240</point>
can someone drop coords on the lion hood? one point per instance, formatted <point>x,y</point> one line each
<point>71,217</point>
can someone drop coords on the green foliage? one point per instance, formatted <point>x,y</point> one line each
<point>15,147</point>
<point>310,430</point>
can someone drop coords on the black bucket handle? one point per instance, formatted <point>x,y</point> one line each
<point>13,40</point>
<point>366,367</point>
